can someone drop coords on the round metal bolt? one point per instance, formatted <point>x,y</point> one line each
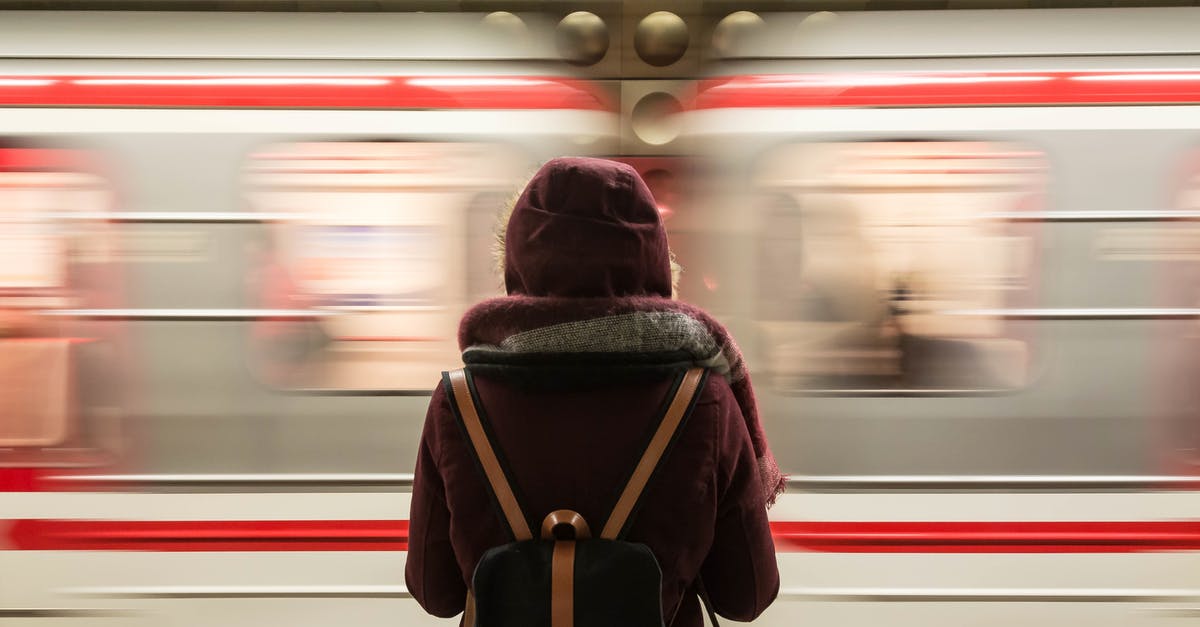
<point>507,23</point>
<point>661,38</point>
<point>734,30</point>
<point>582,38</point>
<point>821,19</point>
<point>654,118</point>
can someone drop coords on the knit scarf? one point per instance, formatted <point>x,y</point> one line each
<point>638,324</point>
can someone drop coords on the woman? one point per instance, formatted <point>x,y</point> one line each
<point>572,367</point>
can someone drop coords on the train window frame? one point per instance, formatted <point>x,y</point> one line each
<point>1026,238</point>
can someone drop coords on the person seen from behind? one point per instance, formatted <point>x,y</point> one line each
<point>573,369</point>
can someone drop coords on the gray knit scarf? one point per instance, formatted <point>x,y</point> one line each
<point>516,325</point>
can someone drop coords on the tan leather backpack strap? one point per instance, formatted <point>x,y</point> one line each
<point>464,402</point>
<point>468,619</point>
<point>662,438</point>
<point>562,584</point>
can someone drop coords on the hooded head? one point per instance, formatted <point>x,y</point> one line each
<point>586,228</point>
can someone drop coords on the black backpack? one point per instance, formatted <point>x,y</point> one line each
<point>565,577</point>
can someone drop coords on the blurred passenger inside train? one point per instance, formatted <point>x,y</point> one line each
<point>282,346</point>
<point>841,307</point>
<point>571,369</point>
<point>828,322</point>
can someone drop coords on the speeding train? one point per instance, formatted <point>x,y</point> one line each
<point>957,248</point>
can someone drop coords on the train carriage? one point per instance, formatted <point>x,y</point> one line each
<point>956,246</point>
<point>971,381</point>
<point>299,207</point>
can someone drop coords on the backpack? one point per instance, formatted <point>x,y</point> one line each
<point>566,577</point>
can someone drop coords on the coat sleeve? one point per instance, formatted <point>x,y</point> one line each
<point>432,573</point>
<point>740,572</point>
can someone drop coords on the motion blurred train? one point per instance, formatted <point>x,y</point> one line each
<point>958,247</point>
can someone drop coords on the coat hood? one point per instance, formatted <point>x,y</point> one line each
<point>586,228</point>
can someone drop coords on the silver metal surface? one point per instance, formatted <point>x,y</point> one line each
<point>1094,216</point>
<point>271,35</point>
<point>1081,313</point>
<point>988,482</point>
<point>796,482</point>
<point>385,479</point>
<point>987,33</point>
<point>245,592</point>
<point>59,612</point>
<point>1178,612</point>
<point>189,315</point>
<point>901,392</point>
<point>357,392</point>
<point>177,217</point>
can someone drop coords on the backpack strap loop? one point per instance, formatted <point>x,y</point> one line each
<point>561,520</point>
<point>464,401</point>
<point>682,402</point>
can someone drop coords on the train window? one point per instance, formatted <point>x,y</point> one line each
<point>378,240</point>
<point>55,373</point>
<point>881,262</point>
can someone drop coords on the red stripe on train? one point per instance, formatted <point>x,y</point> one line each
<point>988,537</point>
<point>220,535</point>
<point>837,537</point>
<point>301,92</point>
<point>954,89</point>
<point>21,479</point>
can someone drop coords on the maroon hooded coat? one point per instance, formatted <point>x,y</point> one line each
<point>572,423</point>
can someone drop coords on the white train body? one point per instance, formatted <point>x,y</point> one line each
<point>957,248</point>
